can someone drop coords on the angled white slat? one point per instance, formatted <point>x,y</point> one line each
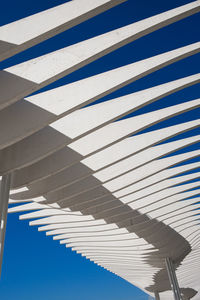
<point>173,199</point>
<point>97,115</point>
<point>118,130</point>
<point>120,237</point>
<point>125,252</point>
<point>162,175</point>
<point>173,220</point>
<point>65,218</point>
<point>123,248</point>
<point>77,228</point>
<point>103,83</point>
<point>123,263</point>
<point>184,202</point>
<point>125,255</point>
<point>30,206</point>
<point>158,196</point>
<point>32,30</point>
<point>54,163</point>
<point>154,209</point>
<point>22,87</point>
<point>184,222</point>
<point>61,179</point>
<point>92,142</point>
<point>48,212</point>
<point>181,209</point>
<point>77,232</point>
<point>81,220</point>
<point>135,144</point>
<point>24,113</point>
<point>126,33</point>
<point>137,160</point>
<point>144,172</point>
<point>143,157</point>
<point>107,244</point>
<point>90,185</point>
<point>62,234</point>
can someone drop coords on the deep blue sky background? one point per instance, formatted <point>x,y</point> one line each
<point>35,266</point>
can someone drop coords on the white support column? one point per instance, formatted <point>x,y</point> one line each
<point>4,197</point>
<point>173,279</point>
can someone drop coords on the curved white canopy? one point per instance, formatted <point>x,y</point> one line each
<point>117,185</point>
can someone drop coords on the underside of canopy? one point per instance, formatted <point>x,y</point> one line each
<point>116,183</point>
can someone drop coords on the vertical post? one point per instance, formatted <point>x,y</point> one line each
<point>157,297</point>
<point>4,198</point>
<point>173,279</point>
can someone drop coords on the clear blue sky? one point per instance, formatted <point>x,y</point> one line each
<point>35,266</point>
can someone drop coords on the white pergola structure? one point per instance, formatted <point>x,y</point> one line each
<point>92,179</point>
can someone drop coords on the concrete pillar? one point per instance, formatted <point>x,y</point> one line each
<point>157,297</point>
<point>4,197</point>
